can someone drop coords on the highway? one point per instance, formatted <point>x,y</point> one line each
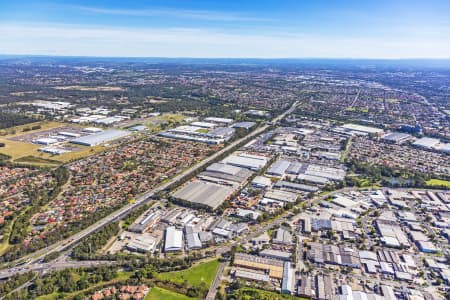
<point>42,268</point>
<point>34,258</point>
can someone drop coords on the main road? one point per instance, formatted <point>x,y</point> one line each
<point>34,258</point>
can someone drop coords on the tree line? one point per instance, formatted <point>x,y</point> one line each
<point>8,120</point>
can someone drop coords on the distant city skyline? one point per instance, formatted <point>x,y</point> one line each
<point>227,29</point>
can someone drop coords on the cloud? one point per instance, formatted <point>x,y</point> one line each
<point>58,39</point>
<point>174,13</point>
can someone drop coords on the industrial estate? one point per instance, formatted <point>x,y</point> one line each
<point>154,181</point>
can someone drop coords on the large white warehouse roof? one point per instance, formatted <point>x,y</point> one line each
<point>101,137</point>
<point>174,239</point>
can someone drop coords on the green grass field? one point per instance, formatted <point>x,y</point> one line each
<point>203,272</point>
<point>17,149</point>
<point>438,182</point>
<point>157,293</point>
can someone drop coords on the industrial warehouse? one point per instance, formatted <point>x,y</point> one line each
<point>226,174</point>
<point>174,239</point>
<point>100,138</point>
<point>220,180</point>
<point>206,194</point>
<point>211,130</point>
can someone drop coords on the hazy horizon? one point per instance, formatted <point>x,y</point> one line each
<point>342,29</point>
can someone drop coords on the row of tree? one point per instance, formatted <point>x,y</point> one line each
<point>89,246</point>
<point>8,120</point>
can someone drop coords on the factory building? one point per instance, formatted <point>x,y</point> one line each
<point>245,125</point>
<point>100,138</point>
<point>274,267</point>
<point>361,130</point>
<point>276,254</point>
<point>218,120</point>
<point>138,127</point>
<point>173,239</point>
<point>282,237</point>
<point>397,137</point>
<point>295,186</point>
<point>261,182</point>
<point>288,282</point>
<point>282,196</point>
<point>54,151</point>
<point>109,120</point>
<point>69,134</point>
<point>221,133</point>
<point>143,243</point>
<point>426,143</point>
<point>247,214</point>
<point>218,172</point>
<point>388,292</point>
<point>313,179</point>
<point>251,275</point>
<point>193,241</point>
<point>192,236</point>
<point>294,168</point>
<point>148,221</point>
<point>92,130</point>
<point>278,168</point>
<point>204,194</point>
<point>248,161</point>
<point>45,141</point>
<point>204,124</point>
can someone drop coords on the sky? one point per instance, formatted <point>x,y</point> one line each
<point>227,28</point>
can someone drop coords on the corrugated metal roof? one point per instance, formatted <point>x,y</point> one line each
<point>221,132</point>
<point>426,142</point>
<point>279,167</point>
<point>219,120</point>
<point>208,194</point>
<point>193,241</point>
<point>288,283</point>
<point>244,125</point>
<point>246,162</point>
<point>294,168</point>
<point>223,168</point>
<point>101,137</point>
<point>174,239</point>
